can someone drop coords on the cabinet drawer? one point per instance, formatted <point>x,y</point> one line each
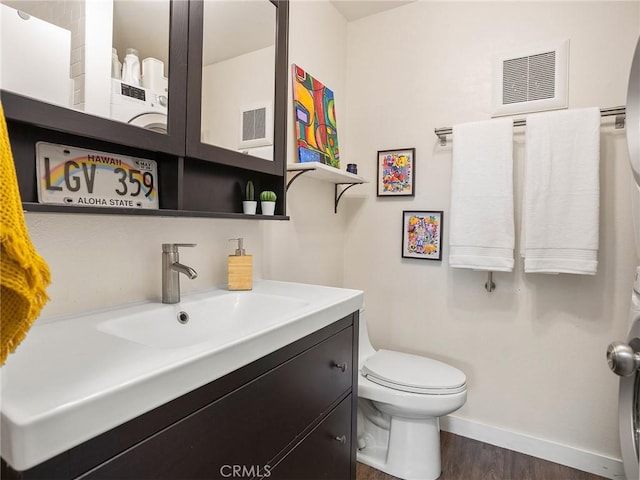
<point>247,427</point>
<point>324,453</point>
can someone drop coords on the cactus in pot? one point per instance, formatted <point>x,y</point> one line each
<point>268,202</point>
<point>249,192</point>
<point>249,204</point>
<point>268,196</point>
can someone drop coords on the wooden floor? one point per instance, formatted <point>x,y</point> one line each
<point>466,459</point>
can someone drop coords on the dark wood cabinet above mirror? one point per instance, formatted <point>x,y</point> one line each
<point>196,178</point>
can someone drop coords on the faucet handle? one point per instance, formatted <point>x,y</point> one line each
<point>173,247</point>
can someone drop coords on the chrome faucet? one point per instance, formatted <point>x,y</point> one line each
<point>171,270</point>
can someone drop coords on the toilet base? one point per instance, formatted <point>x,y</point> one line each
<point>412,451</point>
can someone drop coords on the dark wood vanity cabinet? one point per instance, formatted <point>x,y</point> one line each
<point>195,179</point>
<point>289,415</point>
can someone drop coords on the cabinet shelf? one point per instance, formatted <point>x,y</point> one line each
<point>325,173</point>
<point>40,207</point>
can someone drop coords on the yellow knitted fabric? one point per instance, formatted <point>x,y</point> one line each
<point>24,275</point>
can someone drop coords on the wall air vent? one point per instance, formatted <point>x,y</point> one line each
<point>256,126</point>
<point>253,124</point>
<point>531,82</point>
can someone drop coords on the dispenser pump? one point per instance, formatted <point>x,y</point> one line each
<point>240,249</point>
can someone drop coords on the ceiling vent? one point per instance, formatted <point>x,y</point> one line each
<point>531,82</point>
<point>256,126</point>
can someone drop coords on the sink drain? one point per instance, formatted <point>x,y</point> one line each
<point>183,317</point>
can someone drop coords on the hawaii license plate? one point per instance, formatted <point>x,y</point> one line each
<point>75,176</point>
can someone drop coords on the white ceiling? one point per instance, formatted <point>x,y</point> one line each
<point>356,9</point>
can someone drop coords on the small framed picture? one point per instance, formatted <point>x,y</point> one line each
<point>422,234</point>
<point>396,172</point>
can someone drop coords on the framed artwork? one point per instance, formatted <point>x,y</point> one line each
<point>315,120</point>
<point>396,172</point>
<point>422,234</point>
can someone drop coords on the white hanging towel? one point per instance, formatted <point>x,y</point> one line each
<point>562,192</point>
<point>481,236</point>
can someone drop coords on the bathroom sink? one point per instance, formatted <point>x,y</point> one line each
<point>77,376</point>
<point>218,320</point>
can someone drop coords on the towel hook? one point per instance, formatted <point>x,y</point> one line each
<point>490,286</point>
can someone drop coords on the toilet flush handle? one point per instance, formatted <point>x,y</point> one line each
<point>341,438</point>
<point>341,366</point>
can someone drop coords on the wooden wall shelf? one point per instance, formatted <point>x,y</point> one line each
<point>325,173</point>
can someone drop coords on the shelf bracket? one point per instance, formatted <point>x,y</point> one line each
<point>339,196</point>
<point>298,173</point>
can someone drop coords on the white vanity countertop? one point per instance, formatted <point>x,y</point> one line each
<point>70,380</point>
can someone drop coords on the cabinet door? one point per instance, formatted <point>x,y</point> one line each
<point>236,110</point>
<point>249,426</point>
<point>324,453</point>
<point>59,64</point>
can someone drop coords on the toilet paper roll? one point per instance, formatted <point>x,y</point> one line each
<point>153,74</point>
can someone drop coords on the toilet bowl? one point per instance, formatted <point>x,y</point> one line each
<point>400,400</point>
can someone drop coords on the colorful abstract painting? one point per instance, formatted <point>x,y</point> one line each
<point>316,131</point>
<point>396,172</point>
<point>422,234</point>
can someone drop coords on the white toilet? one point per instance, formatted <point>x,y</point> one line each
<point>400,397</point>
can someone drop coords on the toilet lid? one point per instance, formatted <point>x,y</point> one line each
<point>413,373</point>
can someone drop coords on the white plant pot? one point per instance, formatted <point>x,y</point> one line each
<point>268,208</point>
<point>249,208</point>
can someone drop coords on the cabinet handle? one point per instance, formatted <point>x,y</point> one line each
<point>342,439</point>
<point>341,366</point>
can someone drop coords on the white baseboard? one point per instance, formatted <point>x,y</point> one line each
<point>554,452</point>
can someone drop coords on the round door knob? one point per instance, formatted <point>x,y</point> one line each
<point>622,359</point>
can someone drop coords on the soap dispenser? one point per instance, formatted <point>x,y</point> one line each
<point>240,268</point>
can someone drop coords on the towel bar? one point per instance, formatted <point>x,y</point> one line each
<point>619,112</point>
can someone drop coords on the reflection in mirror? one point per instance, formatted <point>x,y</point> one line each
<point>238,75</point>
<point>67,52</point>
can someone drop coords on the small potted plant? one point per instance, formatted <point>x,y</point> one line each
<point>268,202</point>
<point>249,203</point>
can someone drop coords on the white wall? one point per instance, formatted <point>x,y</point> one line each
<point>242,82</point>
<point>534,349</point>
<point>310,247</point>
<point>98,261</point>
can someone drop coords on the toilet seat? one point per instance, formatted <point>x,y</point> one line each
<point>413,373</point>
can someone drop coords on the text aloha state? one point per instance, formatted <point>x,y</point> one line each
<point>106,202</point>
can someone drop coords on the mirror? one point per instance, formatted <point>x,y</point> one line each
<point>71,53</point>
<point>238,76</point>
